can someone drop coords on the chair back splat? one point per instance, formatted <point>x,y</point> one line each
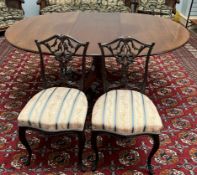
<point>63,50</point>
<point>125,51</point>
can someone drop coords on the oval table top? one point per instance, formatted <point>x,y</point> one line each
<point>98,27</point>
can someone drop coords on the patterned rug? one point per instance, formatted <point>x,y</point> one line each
<point>172,88</point>
<point>187,55</point>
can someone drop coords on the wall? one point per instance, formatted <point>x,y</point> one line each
<point>183,7</point>
<point>31,8</point>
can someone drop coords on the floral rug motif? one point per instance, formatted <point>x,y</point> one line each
<point>170,87</point>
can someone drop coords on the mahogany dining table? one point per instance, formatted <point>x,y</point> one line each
<point>95,27</point>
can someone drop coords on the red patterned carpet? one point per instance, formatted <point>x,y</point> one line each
<point>172,88</point>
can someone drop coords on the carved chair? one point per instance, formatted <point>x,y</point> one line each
<point>155,7</point>
<point>49,6</point>
<point>57,110</point>
<point>124,112</point>
<point>10,12</point>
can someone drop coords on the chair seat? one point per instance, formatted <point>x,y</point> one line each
<point>125,112</point>
<point>55,109</point>
<point>8,16</point>
<point>85,7</point>
<point>155,9</point>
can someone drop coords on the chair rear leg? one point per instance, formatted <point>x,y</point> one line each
<point>95,149</point>
<point>81,140</point>
<point>156,144</point>
<point>22,138</point>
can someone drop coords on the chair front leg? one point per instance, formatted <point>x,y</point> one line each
<point>81,140</point>
<point>156,144</point>
<point>22,138</point>
<point>95,149</point>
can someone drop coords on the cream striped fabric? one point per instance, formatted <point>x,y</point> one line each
<point>125,112</point>
<point>55,109</point>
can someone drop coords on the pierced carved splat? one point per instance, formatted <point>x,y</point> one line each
<point>125,51</point>
<point>63,49</point>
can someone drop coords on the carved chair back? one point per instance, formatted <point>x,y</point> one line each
<point>63,49</point>
<point>125,51</point>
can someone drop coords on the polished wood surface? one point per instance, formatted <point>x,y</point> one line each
<point>98,27</point>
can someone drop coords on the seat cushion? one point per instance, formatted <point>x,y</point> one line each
<point>112,2</point>
<point>73,2</point>
<point>145,2</point>
<point>67,8</point>
<point>156,7</point>
<point>77,2</point>
<point>55,109</point>
<point>157,10</point>
<point>8,16</point>
<point>85,7</point>
<point>53,2</point>
<point>114,8</point>
<point>125,112</point>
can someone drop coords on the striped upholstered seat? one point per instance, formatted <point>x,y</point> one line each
<point>125,112</point>
<point>55,109</point>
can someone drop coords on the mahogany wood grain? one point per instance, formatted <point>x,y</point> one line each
<point>98,27</point>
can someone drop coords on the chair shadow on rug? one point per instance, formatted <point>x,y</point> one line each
<point>57,110</point>
<point>120,111</point>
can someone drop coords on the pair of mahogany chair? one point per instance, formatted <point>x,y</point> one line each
<point>120,111</point>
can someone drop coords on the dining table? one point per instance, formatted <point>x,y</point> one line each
<point>97,27</point>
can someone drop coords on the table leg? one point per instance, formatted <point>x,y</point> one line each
<point>95,74</point>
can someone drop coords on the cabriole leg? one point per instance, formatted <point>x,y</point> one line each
<point>22,138</point>
<point>156,144</point>
<point>81,141</point>
<point>95,149</point>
